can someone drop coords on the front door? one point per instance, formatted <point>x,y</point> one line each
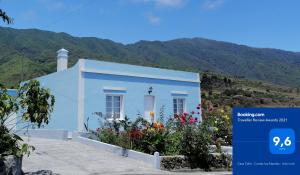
<point>149,107</point>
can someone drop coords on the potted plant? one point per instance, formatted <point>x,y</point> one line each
<point>32,107</point>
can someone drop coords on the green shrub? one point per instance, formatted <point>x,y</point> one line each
<point>195,144</point>
<point>107,135</point>
<point>123,140</point>
<point>173,143</point>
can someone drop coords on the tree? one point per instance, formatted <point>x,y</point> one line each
<point>5,17</point>
<point>34,104</point>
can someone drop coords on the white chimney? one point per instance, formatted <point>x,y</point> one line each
<point>62,59</point>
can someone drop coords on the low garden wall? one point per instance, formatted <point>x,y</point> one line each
<point>217,160</point>
<point>153,160</point>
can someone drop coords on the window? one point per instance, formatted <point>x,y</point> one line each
<point>179,105</point>
<point>113,106</point>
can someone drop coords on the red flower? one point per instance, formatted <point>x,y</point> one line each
<point>135,134</point>
<point>183,119</point>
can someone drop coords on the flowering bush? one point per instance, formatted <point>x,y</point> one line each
<point>152,140</point>
<point>183,134</point>
<point>195,143</point>
<point>220,121</point>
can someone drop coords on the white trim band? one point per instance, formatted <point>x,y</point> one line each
<point>106,88</point>
<point>179,92</point>
<point>138,75</point>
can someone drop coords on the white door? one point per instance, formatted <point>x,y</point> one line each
<point>149,106</point>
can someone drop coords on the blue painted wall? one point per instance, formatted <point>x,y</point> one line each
<point>136,89</point>
<point>64,86</point>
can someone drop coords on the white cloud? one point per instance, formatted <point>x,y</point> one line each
<point>212,4</point>
<point>154,20</point>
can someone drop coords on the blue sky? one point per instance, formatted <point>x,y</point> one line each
<point>258,23</point>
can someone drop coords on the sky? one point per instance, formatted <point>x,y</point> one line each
<point>257,23</point>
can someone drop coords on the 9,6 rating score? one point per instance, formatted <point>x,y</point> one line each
<point>282,141</point>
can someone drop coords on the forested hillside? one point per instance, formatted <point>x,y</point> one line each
<point>36,51</point>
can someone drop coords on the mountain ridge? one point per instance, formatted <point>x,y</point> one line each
<point>37,49</point>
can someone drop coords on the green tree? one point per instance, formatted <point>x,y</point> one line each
<point>35,104</point>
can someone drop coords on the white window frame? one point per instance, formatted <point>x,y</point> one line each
<point>177,109</point>
<point>121,105</point>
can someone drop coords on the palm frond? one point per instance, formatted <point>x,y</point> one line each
<point>5,17</point>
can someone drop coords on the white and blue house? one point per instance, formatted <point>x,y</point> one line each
<point>116,90</point>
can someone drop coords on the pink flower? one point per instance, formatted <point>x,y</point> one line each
<point>192,120</point>
<point>185,113</point>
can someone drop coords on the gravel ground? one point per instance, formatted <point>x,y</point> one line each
<point>73,158</point>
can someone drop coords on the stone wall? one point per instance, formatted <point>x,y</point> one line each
<point>217,161</point>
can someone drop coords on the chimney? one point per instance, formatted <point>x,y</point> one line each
<point>62,59</point>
